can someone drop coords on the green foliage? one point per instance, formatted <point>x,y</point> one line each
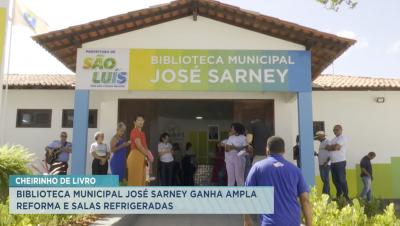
<point>7,219</point>
<point>335,4</point>
<point>388,218</point>
<point>330,213</point>
<point>373,207</point>
<point>13,160</point>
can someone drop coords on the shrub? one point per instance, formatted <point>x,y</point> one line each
<point>330,213</point>
<point>7,219</point>
<point>373,207</point>
<point>388,218</point>
<point>13,160</point>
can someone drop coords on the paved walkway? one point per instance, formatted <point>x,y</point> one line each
<point>171,220</point>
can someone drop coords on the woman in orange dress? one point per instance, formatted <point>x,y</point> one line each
<point>139,155</point>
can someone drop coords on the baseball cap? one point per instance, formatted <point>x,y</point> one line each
<point>319,134</point>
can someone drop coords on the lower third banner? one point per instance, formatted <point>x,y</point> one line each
<point>141,200</point>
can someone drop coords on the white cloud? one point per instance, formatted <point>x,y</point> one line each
<point>395,48</point>
<point>361,41</point>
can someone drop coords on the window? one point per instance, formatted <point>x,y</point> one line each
<point>68,118</point>
<point>318,126</point>
<point>33,118</point>
<point>93,118</point>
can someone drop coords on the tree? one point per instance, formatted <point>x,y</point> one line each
<point>335,4</point>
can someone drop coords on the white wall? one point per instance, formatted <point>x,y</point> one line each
<point>35,139</point>
<point>368,125</point>
<point>204,33</point>
<point>185,33</point>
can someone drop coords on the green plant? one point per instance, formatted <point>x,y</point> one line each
<point>388,218</point>
<point>7,219</point>
<point>13,160</point>
<point>373,207</point>
<point>330,213</point>
<point>335,4</point>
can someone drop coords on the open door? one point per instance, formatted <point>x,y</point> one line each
<point>129,109</point>
<point>244,111</point>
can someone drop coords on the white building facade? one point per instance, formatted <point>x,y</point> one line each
<point>209,25</point>
<point>368,124</point>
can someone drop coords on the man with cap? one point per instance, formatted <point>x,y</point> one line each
<point>323,160</point>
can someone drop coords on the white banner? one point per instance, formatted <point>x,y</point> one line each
<point>102,69</point>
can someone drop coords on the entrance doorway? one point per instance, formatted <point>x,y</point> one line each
<point>202,122</point>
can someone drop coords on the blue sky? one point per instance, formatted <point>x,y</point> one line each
<point>374,24</point>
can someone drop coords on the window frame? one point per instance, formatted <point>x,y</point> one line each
<point>20,111</point>
<point>94,126</point>
<point>317,128</point>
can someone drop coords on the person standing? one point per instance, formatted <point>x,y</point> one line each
<point>119,150</point>
<point>166,160</point>
<point>60,151</point>
<point>100,153</point>
<point>260,134</point>
<point>177,169</point>
<point>235,149</point>
<point>219,169</point>
<point>189,165</point>
<point>366,175</point>
<point>337,149</point>
<point>323,161</point>
<point>296,152</point>
<point>288,183</point>
<point>139,154</point>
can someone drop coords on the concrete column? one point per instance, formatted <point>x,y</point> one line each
<point>304,101</point>
<point>80,130</point>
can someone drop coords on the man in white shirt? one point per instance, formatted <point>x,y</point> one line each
<point>337,148</point>
<point>324,161</point>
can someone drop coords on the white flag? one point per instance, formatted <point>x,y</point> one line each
<point>26,17</point>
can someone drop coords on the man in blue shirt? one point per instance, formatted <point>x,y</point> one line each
<point>288,183</point>
<point>62,149</point>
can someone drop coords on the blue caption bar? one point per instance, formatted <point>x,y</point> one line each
<point>63,181</point>
<point>142,200</point>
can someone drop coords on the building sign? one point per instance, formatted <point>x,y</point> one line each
<point>102,69</point>
<point>194,70</point>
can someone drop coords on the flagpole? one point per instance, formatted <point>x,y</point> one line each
<point>5,100</point>
<point>5,67</point>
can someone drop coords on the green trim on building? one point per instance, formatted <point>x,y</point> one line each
<point>396,177</point>
<point>385,185</point>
